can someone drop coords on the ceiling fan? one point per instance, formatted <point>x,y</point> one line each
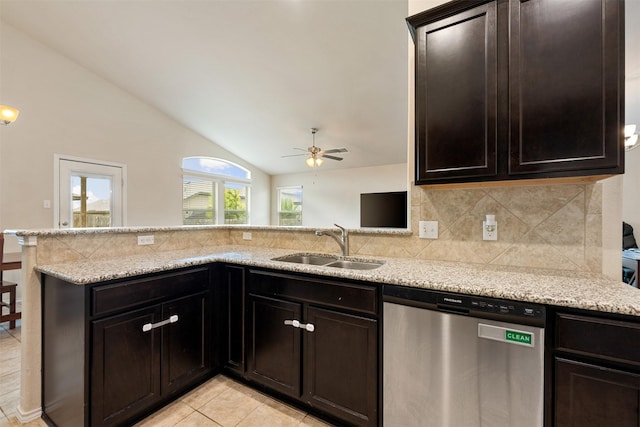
<point>316,155</point>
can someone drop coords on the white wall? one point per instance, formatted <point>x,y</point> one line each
<point>631,191</point>
<point>631,181</point>
<point>68,110</point>
<point>333,196</point>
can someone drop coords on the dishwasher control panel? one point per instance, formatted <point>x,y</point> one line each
<point>513,308</point>
<point>508,307</point>
<point>492,308</point>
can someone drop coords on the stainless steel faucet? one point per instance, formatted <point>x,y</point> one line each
<point>342,239</point>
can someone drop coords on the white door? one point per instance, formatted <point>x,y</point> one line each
<point>90,193</point>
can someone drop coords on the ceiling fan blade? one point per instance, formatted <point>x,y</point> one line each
<point>324,156</point>
<point>294,155</point>
<point>336,150</point>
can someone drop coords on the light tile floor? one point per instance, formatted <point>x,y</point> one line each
<point>220,402</point>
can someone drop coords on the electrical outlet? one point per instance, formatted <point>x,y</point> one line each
<point>428,229</point>
<point>489,235</point>
<point>146,240</point>
<point>246,236</point>
<point>46,204</point>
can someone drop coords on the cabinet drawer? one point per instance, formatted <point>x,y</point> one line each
<point>613,340</point>
<point>350,296</point>
<point>132,293</point>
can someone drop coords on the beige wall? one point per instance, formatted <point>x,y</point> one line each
<point>333,196</point>
<point>68,110</point>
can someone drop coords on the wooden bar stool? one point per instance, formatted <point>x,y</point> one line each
<point>7,288</point>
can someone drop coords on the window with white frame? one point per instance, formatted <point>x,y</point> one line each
<point>290,206</point>
<point>214,191</point>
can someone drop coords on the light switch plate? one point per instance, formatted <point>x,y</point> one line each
<point>428,229</point>
<point>246,236</point>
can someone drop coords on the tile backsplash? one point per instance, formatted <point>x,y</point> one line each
<point>555,226</point>
<point>548,226</point>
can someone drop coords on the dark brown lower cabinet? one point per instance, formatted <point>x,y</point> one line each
<point>341,365</point>
<point>133,367</point>
<point>233,306</point>
<point>316,341</point>
<point>125,366</point>
<point>596,371</point>
<point>275,348</point>
<point>594,396</point>
<point>114,352</point>
<point>186,344</point>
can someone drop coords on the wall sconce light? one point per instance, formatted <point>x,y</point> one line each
<point>8,114</point>
<point>630,137</point>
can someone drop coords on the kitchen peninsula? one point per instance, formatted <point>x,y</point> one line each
<point>87,257</point>
<point>567,289</point>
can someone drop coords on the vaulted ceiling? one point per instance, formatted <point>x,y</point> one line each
<point>252,76</point>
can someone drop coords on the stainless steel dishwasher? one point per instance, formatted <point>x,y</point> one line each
<point>453,360</point>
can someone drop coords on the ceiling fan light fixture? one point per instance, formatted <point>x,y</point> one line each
<point>316,155</point>
<point>311,162</point>
<point>314,161</point>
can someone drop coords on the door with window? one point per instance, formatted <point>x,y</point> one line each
<point>90,194</point>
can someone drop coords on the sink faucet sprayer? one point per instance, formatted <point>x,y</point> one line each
<point>342,239</point>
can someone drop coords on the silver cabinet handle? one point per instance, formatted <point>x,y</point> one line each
<point>149,326</point>
<point>296,324</point>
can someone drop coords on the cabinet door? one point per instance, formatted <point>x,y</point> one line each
<point>234,281</point>
<point>566,86</point>
<point>125,369</point>
<point>186,343</point>
<point>341,365</point>
<point>594,396</point>
<point>274,348</point>
<point>456,96</point>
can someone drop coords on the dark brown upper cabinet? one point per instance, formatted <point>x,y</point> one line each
<point>514,89</point>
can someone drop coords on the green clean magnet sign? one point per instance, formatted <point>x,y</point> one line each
<point>506,335</point>
<point>519,337</point>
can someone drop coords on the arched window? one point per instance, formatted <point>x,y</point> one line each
<point>214,191</point>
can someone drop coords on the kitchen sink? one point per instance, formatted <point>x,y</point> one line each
<point>331,261</point>
<point>308,259</point>
<point>356,265</point>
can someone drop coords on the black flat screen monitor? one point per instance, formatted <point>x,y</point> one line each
<point>383,210</point>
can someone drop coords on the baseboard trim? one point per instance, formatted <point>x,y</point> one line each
<point>28,416</point>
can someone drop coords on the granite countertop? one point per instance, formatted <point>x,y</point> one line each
<point>44,232</point>
<point>560,288</point>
